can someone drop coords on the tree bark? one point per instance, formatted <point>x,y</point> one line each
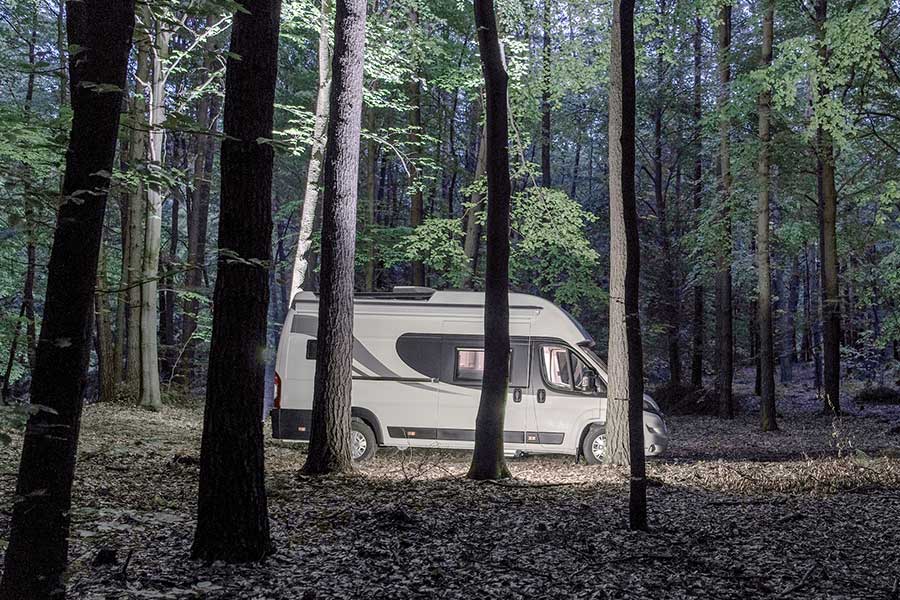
<point>698,324</point>
<point>309,217</point>
<point>546,83</point>
<point>724,318</point>
<point>106,372</point>
<point>329,442</point>
<point>371,192</point>
<point>763,251</point>
<point>136,217</point>
<point>624,415</point>
<point>827,193</point>
<point>35,559</point>
<point>472,240</point>
<point>159,48</point>
<point>232,482</point>
<point>488,461</point>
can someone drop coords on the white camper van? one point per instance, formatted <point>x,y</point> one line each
<point>418,358</point>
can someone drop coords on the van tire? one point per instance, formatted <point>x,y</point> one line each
<point>358,427</point>
<point>587,446</point>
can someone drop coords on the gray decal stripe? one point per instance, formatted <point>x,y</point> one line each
<point>309,325</point>
<point>468,435</point>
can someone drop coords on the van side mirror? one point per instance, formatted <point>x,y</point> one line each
<point>588,381</point>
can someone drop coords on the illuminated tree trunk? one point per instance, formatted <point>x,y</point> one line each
<point>99,32</point>
<point>311,209</point>
<point>417,207</point>
<point>329,442</point>
<point>488,461</point>
<point>624,416</point>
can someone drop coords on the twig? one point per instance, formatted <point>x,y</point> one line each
<point>799,585</point>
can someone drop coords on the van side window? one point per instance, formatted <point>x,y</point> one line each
<point>564,370</point>
<point>470,364</point>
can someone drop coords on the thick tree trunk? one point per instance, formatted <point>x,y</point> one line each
<point>150,394</point>
<point>546,84</point>
<point>724,318</point>
<point>488,461</point>
<point>827,192</point>
<point>624,416</point>
<point>329,442</point>
<point>763,251</point>
<point>698,323</point>
<point>35,559</point>
<point>232,481</point>
<point>309,217</point>
<point>472,241</point>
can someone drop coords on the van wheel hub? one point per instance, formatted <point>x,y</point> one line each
<point>598,446</point>
<point>358,444</point>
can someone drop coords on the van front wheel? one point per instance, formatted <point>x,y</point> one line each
<point>362,441</point>
<point>594,445</point>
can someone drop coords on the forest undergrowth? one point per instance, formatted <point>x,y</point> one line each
<point>806,512</point>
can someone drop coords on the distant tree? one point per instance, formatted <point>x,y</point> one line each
<point>827,194</point>
<point>698,316</point>
<point>329,442</point>
<point>488,461</point>
<point>99,34</point>
<point>232,518</point>
<point>763,251</point>
<point>624,415</point>
<point>724,317</point>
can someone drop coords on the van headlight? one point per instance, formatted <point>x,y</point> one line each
<point>651,406</point>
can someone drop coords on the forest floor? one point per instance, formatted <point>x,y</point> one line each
<point>811,511</point>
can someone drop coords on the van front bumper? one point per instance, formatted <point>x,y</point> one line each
<point>656,434</point>
<point>290,423</point>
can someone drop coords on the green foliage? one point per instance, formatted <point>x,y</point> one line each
<point>438,244</point>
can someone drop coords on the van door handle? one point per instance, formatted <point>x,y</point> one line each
<point>517,395</point>
<point>541,396</point>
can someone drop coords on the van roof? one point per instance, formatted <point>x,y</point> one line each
<point>427,295</point>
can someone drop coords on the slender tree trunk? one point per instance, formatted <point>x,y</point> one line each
<point>371,190</point>
<point>545,95</point>
<point>831,300</point>
<point>7,374</point>
<point>417,207</point>
<point>35,559</point>
<point>724,319</point>
<point>624,415</point>
<point>488,461</point>
<point>136,218</point>
<point>763,251</point>
<point>329,442</point>
<point>30,247</point>
<point>106,373</point>
<point>472,241</point>
<point>698,320</point>
<point>232,480</point>
<point>309,217</point>
<point>159,48</point>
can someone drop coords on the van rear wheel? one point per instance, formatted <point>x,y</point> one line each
<point>362,440</point>
<point>594,445</point>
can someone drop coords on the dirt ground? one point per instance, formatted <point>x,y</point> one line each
<point>808,512</point>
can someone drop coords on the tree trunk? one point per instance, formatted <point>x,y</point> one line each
<point>624,415</point>
<point>724,319</point>
<point>371,191</point>
<point>417,207</point>
<point>7,374</point>
<point>827,192</point>
<point>136,217</point>
<point>311,209</point>
<point>159,49</point>
<point>35,559</point>
<point>472,241</point>
<point>763,250</point>
<point>232,480</point>
<point>545,96</point>
<point>106,372</point>
<point>488,461</point>
<point>698,321</point>
<point>197,219</point>
<point>329,442</point>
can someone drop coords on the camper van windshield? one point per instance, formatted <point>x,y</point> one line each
<point>593,355</point>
